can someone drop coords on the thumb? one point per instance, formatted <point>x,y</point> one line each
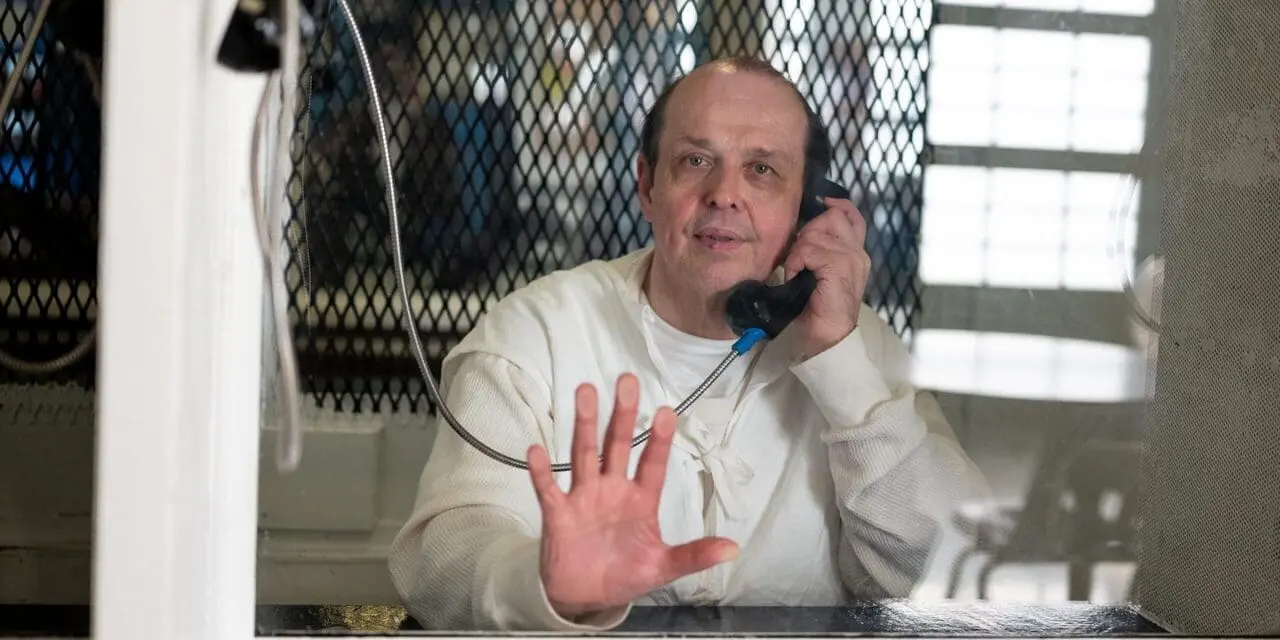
<point>698,555</point>
<point>795,263</point>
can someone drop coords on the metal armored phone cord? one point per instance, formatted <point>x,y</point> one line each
<point>269,222</point>
<point>742,346</point>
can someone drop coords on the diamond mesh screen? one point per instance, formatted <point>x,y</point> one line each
<point>49,174</point>
<point>515,130</point>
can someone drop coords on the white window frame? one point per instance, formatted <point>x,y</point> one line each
<point>181,332</point>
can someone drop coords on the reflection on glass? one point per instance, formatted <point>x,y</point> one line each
<point>1006,203</point>
<point>1000,274</point>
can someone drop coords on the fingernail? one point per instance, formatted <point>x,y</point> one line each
<point>628,388</point>
<point>666,425</point>
<point>584,398</point>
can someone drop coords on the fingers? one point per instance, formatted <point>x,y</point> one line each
<point>621,425</point>
<point>796,260</point>
<point>698,555</point>
<point>815,252</point>
<point>850,213</point>
<point>841,220</point>
<point>544,482</point>
<point>838,235</point>
<point>832,224</point>
<point>651,471</point>
<point>585,457</point>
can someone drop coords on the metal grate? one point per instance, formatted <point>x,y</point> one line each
<point>49,175</point>
<point>515,128</point>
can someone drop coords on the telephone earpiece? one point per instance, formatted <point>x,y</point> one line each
<point>754,305</point>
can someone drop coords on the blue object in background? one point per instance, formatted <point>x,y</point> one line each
<point>478,134</point>
<point>53,141</point>
<point>21,120</point>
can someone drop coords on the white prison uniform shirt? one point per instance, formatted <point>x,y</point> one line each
<point>832,475</point>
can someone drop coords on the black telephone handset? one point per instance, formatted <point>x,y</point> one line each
<point>754,305</point>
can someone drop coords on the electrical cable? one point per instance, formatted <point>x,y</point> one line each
<point>8,360</point>
<point>744,344</point>
<point>269,222</point>
<point>289,445</point>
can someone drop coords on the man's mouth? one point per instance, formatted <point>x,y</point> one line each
<point>717,240</point>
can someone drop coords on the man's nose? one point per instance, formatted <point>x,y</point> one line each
<point>723,189</point>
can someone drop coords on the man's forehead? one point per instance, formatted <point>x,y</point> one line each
<point>751,110</point>
<point>764,146</point>
<point>721,87</point>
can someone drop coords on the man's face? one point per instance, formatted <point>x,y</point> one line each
<point>724,192</point>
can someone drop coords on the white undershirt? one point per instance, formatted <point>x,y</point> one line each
<point>689,359</point>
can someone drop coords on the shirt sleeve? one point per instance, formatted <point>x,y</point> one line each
<point>468,556</point>
<point>898,471</point>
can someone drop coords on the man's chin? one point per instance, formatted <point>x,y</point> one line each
<point>713,275</point>
<point>715,280</point>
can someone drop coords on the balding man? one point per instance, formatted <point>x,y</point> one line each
<point>810,473</point>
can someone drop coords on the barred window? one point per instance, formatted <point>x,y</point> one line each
<point>1036,130</point>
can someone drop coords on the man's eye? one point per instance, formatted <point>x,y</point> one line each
<point>694,161</point>
<point>761,168</point>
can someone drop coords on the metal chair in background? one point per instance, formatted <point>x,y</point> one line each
<point>1011,532</point>
<point>1100,512</point>
<point>1080,510</point>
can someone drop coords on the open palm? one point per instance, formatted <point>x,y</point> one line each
<point>601,544</point>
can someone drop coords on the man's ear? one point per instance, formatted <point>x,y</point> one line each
<point>644,184</point>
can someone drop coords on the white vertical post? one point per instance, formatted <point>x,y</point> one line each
<point>181,297</point>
